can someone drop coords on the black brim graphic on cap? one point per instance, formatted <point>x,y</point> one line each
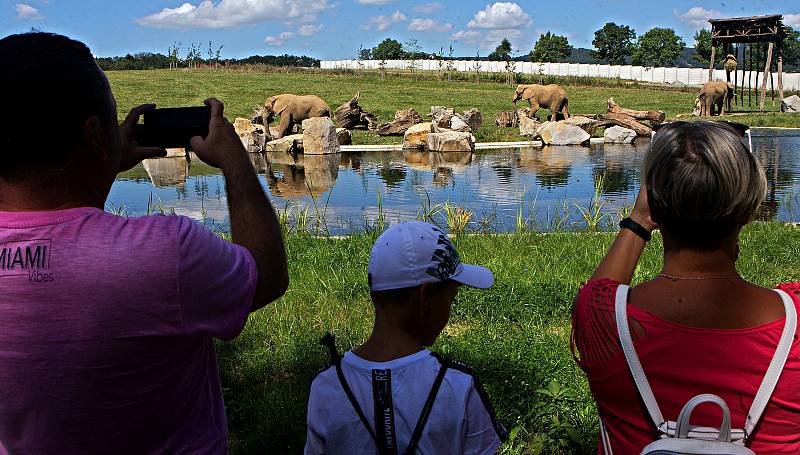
<point>474,276</point>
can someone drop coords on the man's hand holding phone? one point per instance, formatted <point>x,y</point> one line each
<point>132,152</point>
<point>222,146</point>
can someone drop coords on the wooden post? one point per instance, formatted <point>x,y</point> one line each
<point>764,82</point>
<point>711,66</point>
<point>780,70</point>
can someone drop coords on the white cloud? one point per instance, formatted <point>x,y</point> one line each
<point>697,16</point>
<point>232,13</point>
<point>488,39</point>
<point>308,29</point>
<point>375,2</point>
<point>383,22</point>
<point>429,25</point>
<point>278,40</point>
<point>501,15</point>
<point>792,20</point>
<point>26,11</point>
<point>427,8</point>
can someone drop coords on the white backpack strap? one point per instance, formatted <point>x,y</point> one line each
<point>621,311</point>
<point>775,366</point>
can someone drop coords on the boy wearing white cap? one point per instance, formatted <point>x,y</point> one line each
<point>391,395</point>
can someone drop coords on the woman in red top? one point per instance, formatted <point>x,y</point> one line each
<point>698,327</point>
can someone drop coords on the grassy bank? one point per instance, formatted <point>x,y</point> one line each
<point>241,90</point>
<point>516,334</point>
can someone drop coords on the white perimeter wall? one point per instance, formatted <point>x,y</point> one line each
<point>688,76</point>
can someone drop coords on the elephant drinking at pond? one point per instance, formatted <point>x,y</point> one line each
<point>292,109</point>
<point>715,93</point>
<point>551,97</point>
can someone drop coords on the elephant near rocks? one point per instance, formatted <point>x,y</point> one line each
<point>715,94</point>
<point>292,109</point>
<point>551,97</point>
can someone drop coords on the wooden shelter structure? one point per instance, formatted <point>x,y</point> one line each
<point>745,32</point>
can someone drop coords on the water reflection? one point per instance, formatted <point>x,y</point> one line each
<point>294,175</point>
<point>486,182</point>
<point>170,171</point>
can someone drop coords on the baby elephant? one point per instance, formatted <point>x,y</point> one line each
<point>292,109</point>
<point>551,97</point>
<point>715,93</point>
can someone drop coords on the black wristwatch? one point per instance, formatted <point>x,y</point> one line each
<point>638,229</point>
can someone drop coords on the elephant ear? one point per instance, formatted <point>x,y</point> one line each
<point>528,93</point>
<point>282,109</point>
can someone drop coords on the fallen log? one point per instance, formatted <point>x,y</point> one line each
<point>506,119</point>
<point>628,122</point>
<point>403,120</point>
<point>350,115</point>
<point>653,116</point>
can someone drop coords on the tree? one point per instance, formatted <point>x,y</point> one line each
<point>364,53</point>
<point>613,43</point>
<point>658,47</point>
<point>551,48</point>
<point>702,45</point>
<point>502,52</point>
<point>791,50</point>
<point>412,51</point>
<point>388,49</point>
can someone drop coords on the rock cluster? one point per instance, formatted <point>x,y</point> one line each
<point>451,141</point>
<point>253,136</point>
<point>790,104</point>
<point>560,133</point>
<point>319,136</point>
<point>619,135</point>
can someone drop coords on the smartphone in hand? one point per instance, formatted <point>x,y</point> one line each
<point>172,127</point>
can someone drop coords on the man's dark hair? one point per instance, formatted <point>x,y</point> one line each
<point>50,85</point>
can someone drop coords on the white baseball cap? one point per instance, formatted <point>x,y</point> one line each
<point>412,253</point>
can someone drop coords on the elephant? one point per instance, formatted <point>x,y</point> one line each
<point>551,97</point>
<point>715,93</point>
<point>292,109</point>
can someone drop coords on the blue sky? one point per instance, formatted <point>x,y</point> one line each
<point>334,29</point>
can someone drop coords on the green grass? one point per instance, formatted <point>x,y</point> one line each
<point>241,90</point>
<point>516,334</point>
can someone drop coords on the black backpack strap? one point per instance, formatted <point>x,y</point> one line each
<point>330,342</point>
<point>501,431</point>
<point>384,412</point>
<point>426,409</point>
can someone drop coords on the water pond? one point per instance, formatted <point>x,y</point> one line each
<point>553,188</point>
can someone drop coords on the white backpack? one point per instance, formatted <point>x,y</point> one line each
<point>680,437</point>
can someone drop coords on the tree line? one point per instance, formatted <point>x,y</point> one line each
<point>613,44</point>
<point>195,57</point>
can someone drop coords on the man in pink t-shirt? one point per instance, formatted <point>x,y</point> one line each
<point>107,323</point>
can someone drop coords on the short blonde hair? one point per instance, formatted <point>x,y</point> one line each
<point>702,180</point>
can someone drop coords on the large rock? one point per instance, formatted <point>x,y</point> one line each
<point>585,123</point>
<point>344,135</point>
<point>417,136</point>
<point>619,135</point>
<point>292,143</point>
<point>456,124</point>
<point>473,118</point>
<point>441,115</point>
<point>451,141</point>
<point>560,133</point>
<point>791,104</point>
<point>253,136</point>
<point>528,126</point>
<point>319,136</point>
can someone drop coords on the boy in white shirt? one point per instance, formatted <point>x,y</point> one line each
<point>391,395</point>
